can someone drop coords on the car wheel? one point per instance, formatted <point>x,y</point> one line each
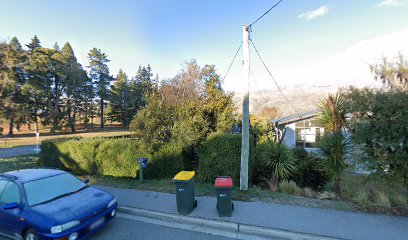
<point>31,235</point>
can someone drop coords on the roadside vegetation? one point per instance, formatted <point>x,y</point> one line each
<point>189,123</point>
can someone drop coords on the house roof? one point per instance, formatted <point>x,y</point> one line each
<point>295,117</point>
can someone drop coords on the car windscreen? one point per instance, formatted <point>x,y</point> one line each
<point>50,188</point>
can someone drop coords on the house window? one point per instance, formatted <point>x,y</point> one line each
<point>308,132</point>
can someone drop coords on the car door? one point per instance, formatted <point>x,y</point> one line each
<point>10,218</point>
<point>3,184</point>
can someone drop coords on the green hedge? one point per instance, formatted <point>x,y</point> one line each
<point>220,155</point>
<point>166,162</point>
<point>100,156</point>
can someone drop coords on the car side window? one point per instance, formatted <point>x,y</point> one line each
<point>3,184</point>
<point>11,194</point>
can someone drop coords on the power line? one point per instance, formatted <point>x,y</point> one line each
<point>270,74</point>
<point>276,4</point>
<point>260,90</point>
<point>232,61</point>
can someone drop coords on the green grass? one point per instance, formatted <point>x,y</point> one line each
<point>17,163</point>
<point>28,138</point>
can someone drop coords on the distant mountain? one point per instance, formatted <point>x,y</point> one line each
<point>303,98</point>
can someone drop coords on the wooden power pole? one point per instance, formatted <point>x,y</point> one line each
<point>245,113</point>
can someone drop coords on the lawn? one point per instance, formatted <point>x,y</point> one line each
<point>17,163</point>
<point>25,138</point>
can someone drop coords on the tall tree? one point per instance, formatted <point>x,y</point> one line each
<point>37,86</point>
<point>141,86</point>
<point>75,84</point>
<point>334,146</point>
<point>99,72</point>
<point>120,99</point>
<point>12,78</point>
<point>35,43</point>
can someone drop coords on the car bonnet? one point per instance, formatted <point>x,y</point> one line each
<point>76,206</point>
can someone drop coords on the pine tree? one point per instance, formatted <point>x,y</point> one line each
<point>120,100</point>
<point>74,84</point>
<point>99,72</point>
<point>13,59</point>
<point>35,43</point>
<point>56,47</point>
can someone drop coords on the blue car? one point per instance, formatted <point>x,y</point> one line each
<point>51,204</point>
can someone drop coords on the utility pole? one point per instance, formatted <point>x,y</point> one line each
<point>245,113</point>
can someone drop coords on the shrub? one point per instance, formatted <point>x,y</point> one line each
<point>72,154</point>
<point>381,198</point>
<point>289,187</point>
<point>362,197</point>
<point>274,162</point>
<point>399,200</point>
<point>220,155</point>
<point>309,173</point>
<point>166,162</point>
<point>326,195</point>
<point>334,148</point>
<point>118,158</point>
<point>110,157</point>
<point>308,192</point>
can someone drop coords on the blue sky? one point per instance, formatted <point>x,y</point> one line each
<point>295,37</point>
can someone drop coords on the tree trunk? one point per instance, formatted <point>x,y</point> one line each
<point>336,186</point>
<point>102,123</point>
<point>86,120</point>
<point>36,123</point>
<point>36,114</point>
<point>73,122</point>
<point>11,126</point>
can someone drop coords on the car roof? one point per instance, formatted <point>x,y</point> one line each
<point>28,175</point>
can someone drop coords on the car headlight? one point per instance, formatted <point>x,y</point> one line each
<point>63,227</point>
<point>111,203</point>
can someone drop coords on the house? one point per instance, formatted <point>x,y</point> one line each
<point>301,129</point>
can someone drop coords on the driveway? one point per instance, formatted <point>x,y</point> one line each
<point>17,151</point>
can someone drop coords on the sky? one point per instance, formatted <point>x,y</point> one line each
<point>308,42</point>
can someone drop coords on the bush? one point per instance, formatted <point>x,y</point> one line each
<point>362,197</point>
<point>110,157</point>
<point>381,199</point>
<point>274,162</point>
<point>166,162</point>
<point>220,155</point>
<point>308,172</point>
<point>326,195</point>
<point>118,158</point>
<point>289,187</point>
<point>308,192</point>
<point>399,200</point>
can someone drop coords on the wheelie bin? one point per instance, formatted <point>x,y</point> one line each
<point>223,188</point>
<point>185,194</point>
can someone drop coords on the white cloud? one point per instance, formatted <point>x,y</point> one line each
<point>351,66</point>
<point>309,15</point>
<point>392,3</point>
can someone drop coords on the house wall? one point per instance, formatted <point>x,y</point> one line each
<point>290,138</point>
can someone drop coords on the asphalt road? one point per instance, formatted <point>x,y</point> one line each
<point>17,151</point>
<point>129,229</point>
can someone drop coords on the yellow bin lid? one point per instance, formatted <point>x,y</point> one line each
<point>184,176</point>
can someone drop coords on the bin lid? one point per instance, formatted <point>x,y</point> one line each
<point>223,182</point>
<point>184,176</point>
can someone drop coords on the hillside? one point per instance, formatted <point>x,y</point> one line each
<point>303,98</point>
